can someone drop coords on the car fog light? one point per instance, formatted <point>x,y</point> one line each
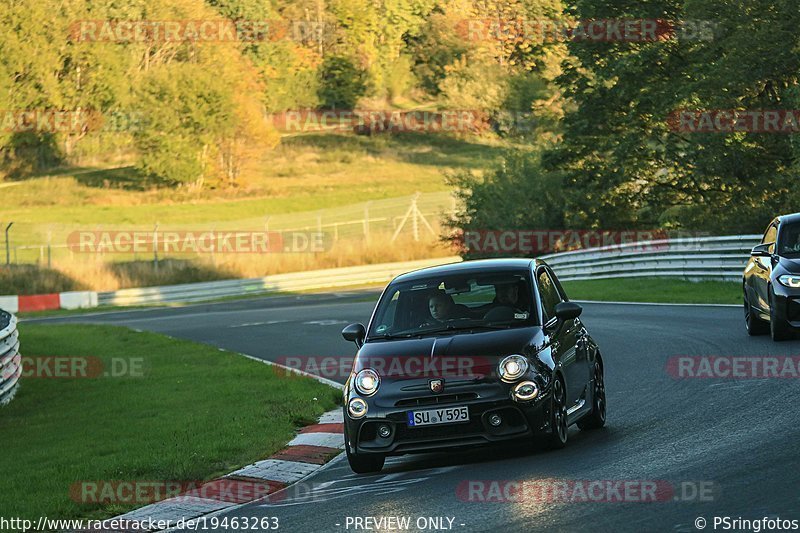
<point>495,420</point>
<point>527,390</point>
<point>384,431</point>
<point>357,408</point>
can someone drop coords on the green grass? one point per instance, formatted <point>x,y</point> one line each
<point>656,290</point>
<point>196,413</point>
<point>304,173</point>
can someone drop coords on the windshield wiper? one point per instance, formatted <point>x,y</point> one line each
<point>465,327</point>
<point>446,329</point>
<point>390,336</point>
<point>484,326</point>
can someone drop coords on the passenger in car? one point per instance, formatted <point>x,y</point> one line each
<point>442,307</point>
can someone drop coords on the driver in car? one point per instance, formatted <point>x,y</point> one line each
<point>506,304</point>
<point>507,294</point>
<point>794,247</point>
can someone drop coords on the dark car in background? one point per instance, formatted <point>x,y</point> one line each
<point>771,281</point>
<point>470,354</point>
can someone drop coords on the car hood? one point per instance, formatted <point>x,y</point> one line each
<point>790,264</point>
<point>443,355</point>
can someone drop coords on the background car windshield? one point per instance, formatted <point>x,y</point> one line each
<point>455,302</point>
<point>790,240</point>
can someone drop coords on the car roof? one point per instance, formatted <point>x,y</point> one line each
<point>482,266</point>
<point>793,217</point>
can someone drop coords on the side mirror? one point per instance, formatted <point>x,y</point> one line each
<point>568,311</point>
<point>355,333</point>
<point>762,250</point>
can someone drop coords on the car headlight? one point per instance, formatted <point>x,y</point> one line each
<point>512,368</point>
<point>790,281</point>
<point>367,382</point>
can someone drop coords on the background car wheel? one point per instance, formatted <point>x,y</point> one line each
<point>778,328</point>
<point>558,416</point>
<point>755,326</point>
<point>365,464</point>
<point>597,418</point>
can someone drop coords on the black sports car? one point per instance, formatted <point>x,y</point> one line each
<point>469,354</point>
<point>771,281</point>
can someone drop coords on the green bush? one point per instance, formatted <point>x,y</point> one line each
<point>518,195</point>
<point>341,83</point>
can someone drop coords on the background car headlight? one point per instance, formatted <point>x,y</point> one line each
<point>367,382</point>
<point>790,281</point>
<point>357,408</point>
<point>512,367</point>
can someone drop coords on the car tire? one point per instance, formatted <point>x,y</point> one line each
<point>597,417</point>
<point>558,416</point>
<point>755,326</point>
<point>778,328</point>
<point>365,464</point>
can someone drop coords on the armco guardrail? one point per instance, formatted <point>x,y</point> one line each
<point>721,258</point>
<point>296,281</point>
<point>10,360</point>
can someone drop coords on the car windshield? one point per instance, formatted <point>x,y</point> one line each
<point>446,303</point>
<point>789,240</point>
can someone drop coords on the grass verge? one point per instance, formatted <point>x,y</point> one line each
<point>194,414</point>
<point>91,274</point>
<point>656,290</point>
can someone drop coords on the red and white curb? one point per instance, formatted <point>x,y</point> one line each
<point>308,452</point>
<point>48,302</point>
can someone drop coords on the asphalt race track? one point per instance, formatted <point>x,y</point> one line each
<point>734,440</point>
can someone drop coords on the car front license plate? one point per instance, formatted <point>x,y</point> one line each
<point>443,415</point>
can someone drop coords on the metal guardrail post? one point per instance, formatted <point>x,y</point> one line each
<point>155,248</point>
<point>8,246</point>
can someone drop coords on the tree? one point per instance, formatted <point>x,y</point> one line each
<point>626,167</point>
<point>517,195</point>
<point>341,83</point>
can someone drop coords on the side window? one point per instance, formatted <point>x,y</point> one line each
<point>548,294</point>
<point>562,296</point>
<point>771,235</point>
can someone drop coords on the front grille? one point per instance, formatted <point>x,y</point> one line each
<point>437,400</point>
<point>403,432</point>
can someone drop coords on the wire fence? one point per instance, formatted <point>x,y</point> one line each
<point>418,217</point>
